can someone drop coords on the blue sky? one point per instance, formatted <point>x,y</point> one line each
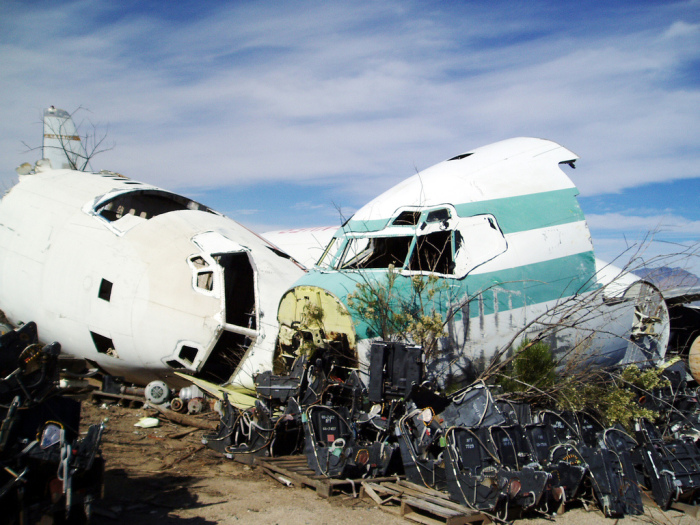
<point>295,114</point>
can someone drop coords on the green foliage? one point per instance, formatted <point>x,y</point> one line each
<point>393,312</point>
<point>531,374</point>
<point>646,380</point>
<point>532,367</point>
<point>614,399</point>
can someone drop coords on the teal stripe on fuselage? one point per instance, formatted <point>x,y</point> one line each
<point>511,288</point>
<point>529,212</point>
<point>514,214</point>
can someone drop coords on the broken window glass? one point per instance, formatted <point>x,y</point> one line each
<point>376,252</point>
<point>433,253</point>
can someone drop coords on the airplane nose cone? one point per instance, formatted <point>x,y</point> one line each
<point>309,317</point>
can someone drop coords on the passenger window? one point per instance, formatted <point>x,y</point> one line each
<point>199,262</point>
<point>205,280</point>
<point>105,291</point>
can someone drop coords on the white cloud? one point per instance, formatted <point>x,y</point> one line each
<point>258,92</point>
<point>682,29</point>
<point>656,224</point>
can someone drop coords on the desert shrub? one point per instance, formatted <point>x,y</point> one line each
<point>532,368</point>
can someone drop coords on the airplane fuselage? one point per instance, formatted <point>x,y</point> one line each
<point>139,281</point>
<point>501,234</point>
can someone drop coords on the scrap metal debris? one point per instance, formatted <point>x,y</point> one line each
<point>486,453</point>
<point>46,469</point>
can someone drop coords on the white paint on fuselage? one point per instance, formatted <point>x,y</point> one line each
<point>55,252</point>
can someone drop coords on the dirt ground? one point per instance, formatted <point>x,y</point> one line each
<point>155,478</point>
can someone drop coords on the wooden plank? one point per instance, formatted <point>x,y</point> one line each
<point>289,460</point>
<point>430,507</point>
<point>394,510</point>
<point>285,469</point>
<point>371,493</point>
<point>383,488</point>
<point>297,470</point>
<point>421,505</point>
<point>451,505</point>
<point>432,496</point>
<point>411,512</point>
<point>419,518</point>
<point>424,489</point>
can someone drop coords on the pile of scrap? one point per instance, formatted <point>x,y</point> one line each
<point>487,455</point>
<point>46,470</point>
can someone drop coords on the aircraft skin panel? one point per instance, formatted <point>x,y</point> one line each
<point>306,245</point>
<point>524,248</point>
<point>506,169</point>
<point>524,212</point>
<point>543,244</point>
<point>484,312</point>
<point>71,189</point>
<point>515,214</point>
<point>527,285</point>
<point>121,291</point>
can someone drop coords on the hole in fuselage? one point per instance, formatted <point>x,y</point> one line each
<point>240,306</point>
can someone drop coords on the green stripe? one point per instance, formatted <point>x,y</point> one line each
<point>529,212</point>
<point>513,287</point>
<point>535,283</point>
<point>514,214</point>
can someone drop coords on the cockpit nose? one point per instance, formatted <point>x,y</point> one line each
<point>310,316</point>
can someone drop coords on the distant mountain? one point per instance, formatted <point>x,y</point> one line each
<point>666,278</point>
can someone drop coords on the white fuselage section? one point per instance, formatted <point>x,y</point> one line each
<point>500,231</point>
<point>139,281</point>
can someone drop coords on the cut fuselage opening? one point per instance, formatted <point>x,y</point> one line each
<point>145,204</point>
<point>240,317</point>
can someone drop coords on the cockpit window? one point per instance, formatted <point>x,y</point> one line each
<point>326,260</point>
<point>440,242</point>
<point>434,253</point>
<point>407,218</point>
<point>376,252</point>
<point>199,262</point>
<point>438,215</point>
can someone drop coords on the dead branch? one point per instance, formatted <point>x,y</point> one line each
<point>185,419</point>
